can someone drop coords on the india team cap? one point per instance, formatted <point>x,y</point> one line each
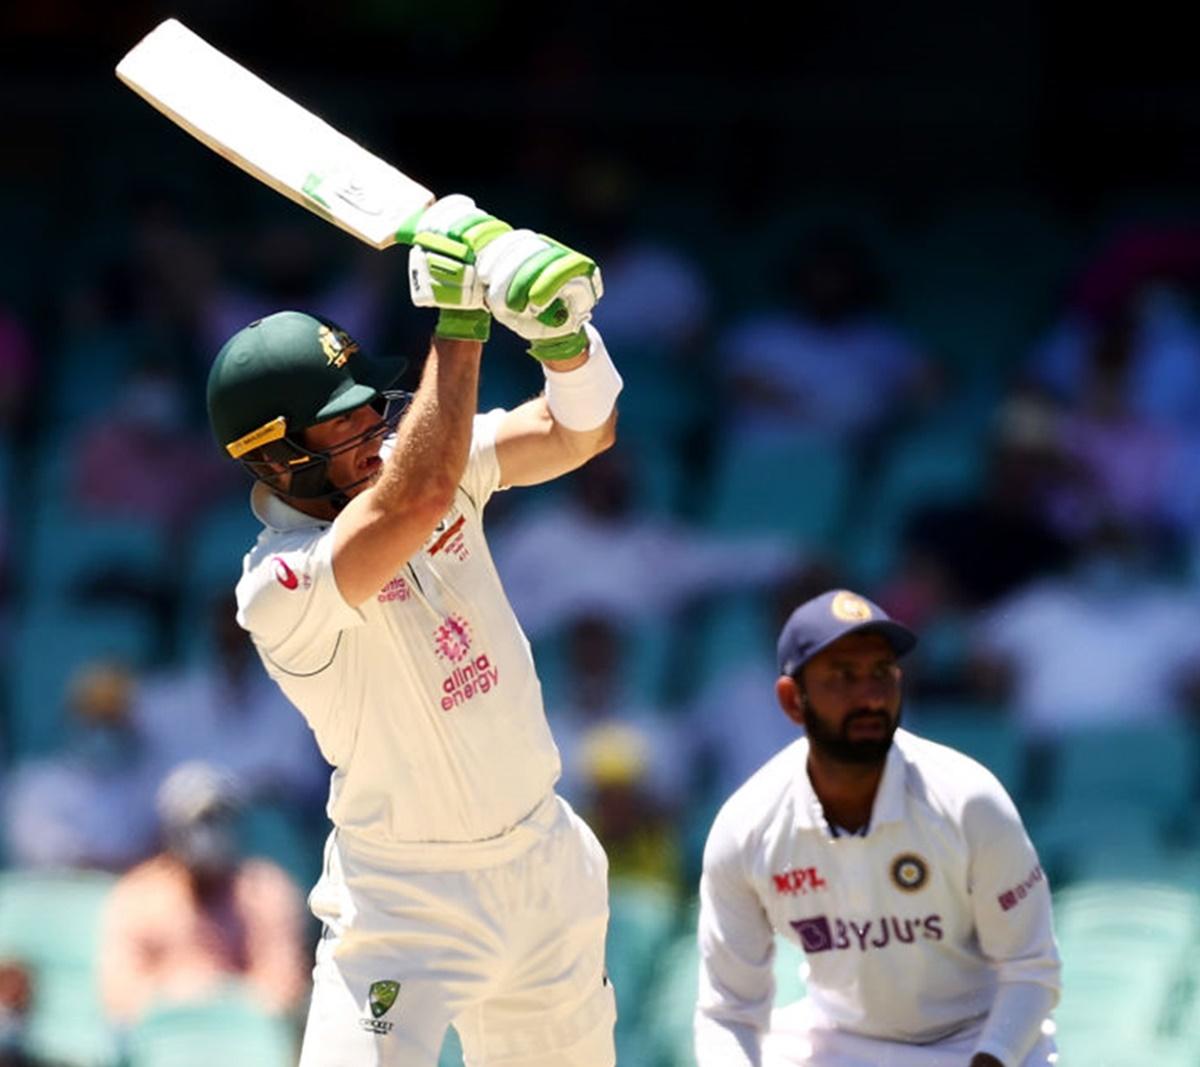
<point>817,623</point>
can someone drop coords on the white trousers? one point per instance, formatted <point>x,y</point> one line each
<point>797,1039</point>
<point>508,947</point>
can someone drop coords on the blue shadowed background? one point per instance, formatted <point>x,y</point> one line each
<point>905,298</point>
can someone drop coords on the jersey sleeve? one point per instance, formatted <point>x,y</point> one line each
<point>1010,899</point>
<point>290,603</point>
<point>1009,893</point>
<point>482,475</point>
<point>737,949</point>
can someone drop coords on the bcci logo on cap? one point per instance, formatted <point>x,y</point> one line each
<point>380,998</point>
<point>846,607</point>
<point>337,345</point>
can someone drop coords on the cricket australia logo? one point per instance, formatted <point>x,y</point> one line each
<point>453,638</point>
<point>337,345</point>
<point>380,998</point>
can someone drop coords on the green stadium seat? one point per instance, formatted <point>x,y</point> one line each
<point>1128,973</point>
<point>50,922</point>
<point>979,731</point>
<point>1150,764</point>
<point>229,1029</point>
<point>797,489</point>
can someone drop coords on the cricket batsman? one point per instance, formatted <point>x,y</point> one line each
<point>457,887</point>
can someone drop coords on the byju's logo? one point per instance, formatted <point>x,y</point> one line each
<point>822,934</point>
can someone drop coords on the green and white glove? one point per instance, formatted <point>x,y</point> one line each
<point>541,290</point>
<point>446,240</point>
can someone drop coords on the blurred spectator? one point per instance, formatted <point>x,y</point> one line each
<point>17,370</point>
<point>1139,283</point>
<point>142,461</point>
<point>620,802</point>
<point>285,266</point>
<point>825,358</point>
<point>196,916</point>
<point>1123,458</point>
<point>225,711</point>
<point>962,555</point>
<point>1107,642</point>
<point>599,694</point>
<point>640,567</point>
<point>90,805</point>
<point>656,296</point>
<point>16,997</point>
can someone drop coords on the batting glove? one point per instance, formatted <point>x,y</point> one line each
<point>541,290</point>
<point>446,240</point>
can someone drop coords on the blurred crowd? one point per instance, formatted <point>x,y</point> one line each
<point>986,421</point>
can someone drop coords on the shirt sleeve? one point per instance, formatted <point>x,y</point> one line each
<point>482,475</point>
<point>1011,905</point>
<point>289,601</point>
<point>737,949</point>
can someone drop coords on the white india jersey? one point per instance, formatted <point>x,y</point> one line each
<point>907,929</point>
<point>424,698</point>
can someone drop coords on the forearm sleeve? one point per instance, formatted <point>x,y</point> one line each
<point>1015,1021</point>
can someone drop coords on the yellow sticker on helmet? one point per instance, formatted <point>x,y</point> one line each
<point>265,434</point>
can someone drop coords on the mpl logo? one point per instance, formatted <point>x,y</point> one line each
<point>453,638</point>
<point>798,880</point>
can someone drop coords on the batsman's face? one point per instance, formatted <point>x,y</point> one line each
<point>849,703</point>
<point>361,464</point>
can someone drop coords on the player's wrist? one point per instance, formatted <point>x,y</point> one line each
<point>459,324</point>
<point>553,350</point>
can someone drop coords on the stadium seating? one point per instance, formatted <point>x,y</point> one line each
<point>1129,976</point>
<point>1151,764</point>
<point>980,731</point>
<point>47,650</point>
<point>228,1029</point>
<point>50,922</point>
<point>797,489</point>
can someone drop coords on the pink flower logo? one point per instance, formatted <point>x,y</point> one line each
<point>453,638</point>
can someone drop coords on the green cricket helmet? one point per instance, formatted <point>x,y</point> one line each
<point>287,372</point>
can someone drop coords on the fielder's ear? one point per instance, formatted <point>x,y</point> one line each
<point>791,700</point>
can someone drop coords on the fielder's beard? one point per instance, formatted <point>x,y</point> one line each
<point>839,746</point>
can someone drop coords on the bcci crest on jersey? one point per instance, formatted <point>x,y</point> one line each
<point>380,997</point>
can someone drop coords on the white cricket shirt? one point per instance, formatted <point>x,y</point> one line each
<point>424,698</point>
<point>908,930</point>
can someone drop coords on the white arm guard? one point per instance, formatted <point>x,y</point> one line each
<point>583,398</point>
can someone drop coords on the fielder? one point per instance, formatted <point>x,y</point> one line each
<point>899,866</point>
<point>457,887</point>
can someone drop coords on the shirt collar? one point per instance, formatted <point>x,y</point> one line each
<point>889,798</point>
<point>271,511</point>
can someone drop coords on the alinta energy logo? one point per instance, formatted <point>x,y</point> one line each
<point>473,674</point>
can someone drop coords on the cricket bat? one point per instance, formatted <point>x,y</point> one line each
<point>244,119</point>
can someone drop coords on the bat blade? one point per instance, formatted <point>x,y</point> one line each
<point>270,136</point>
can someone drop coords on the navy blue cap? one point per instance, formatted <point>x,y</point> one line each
<point>817,623</point>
